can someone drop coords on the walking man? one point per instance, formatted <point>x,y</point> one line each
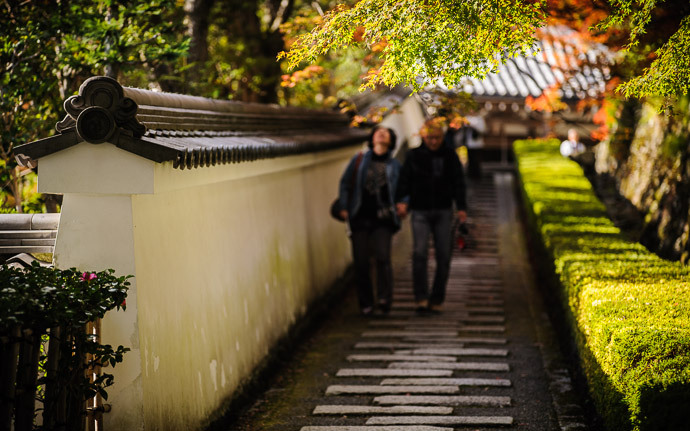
<point>431,180</point>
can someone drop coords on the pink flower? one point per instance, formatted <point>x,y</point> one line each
<point>88,276</point>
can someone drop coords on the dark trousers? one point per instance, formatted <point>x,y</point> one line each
<point>438,224</point>
<point>376,241</point>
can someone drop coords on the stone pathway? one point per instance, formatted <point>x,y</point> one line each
<point>478,365</point>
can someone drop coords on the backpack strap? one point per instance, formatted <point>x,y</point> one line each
<point>358,162</point>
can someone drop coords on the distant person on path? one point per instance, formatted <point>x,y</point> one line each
<point>367,188</point>
<point>431,180</point>
<point>572,147</point>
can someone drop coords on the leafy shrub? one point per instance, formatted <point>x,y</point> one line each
<point>629,310</point>
<point>40,300</point>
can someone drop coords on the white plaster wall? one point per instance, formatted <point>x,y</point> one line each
<point>406,122</point>
<point>89,168</point>
<point>226,259</point>
<point>95,234</point>
<point>224,271</point>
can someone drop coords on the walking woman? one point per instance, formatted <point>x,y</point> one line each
<point>367,188</point>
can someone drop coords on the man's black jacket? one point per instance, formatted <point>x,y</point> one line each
<point>432,179</point>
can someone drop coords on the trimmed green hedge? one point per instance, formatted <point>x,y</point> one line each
<point>629,310</point>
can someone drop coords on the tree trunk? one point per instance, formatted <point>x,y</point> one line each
<point>198,16</point>
<point>16,188</point>
<point>263,43</point>
<point>111,70</point>
<point>270,70</point>
<point>162,73</point>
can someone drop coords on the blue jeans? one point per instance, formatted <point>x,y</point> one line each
<point>436,223</point>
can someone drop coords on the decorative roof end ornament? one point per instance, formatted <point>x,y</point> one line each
<point>101,112</point>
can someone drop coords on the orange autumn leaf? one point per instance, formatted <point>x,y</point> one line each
<point>548,101</point>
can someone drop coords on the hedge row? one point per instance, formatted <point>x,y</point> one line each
<point>628,309</point>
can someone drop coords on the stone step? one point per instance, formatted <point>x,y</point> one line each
<point>482,251</point>
<point>373,410</point>
<point>484,303</point>
<point>448,381</point>
<point>446,321</point>
<point>473,298</point>
<point>459,327</point>
<point>457,288</point>
<point>452,304</point>
<point>487,319</point>
<point>384,345</point>
<point>468,299</point>
<point>408,310</point>
<point>458,298</point>
<point>458,304</point>
<point>416,322</point>
<point>374,428</point>
<point>480,261</point>
<point>441,420</point>
<point>378,389</point>
<point>444,400</point>
<point>387,334</point>
<point>418,358</point>
<point>460,352</point>
<point>392,372</point>
<point>466,340</point>
<point>483,328</point>
<point>464,366</point>
<point>468,283</point>
<point>486,310</point>
<point>440,331</point>
<point>457,293</point>
<point>415,332</point>
<point>454,287</point>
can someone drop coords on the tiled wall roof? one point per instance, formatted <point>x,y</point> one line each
<point>189,131</point>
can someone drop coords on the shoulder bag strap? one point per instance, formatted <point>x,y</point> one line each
<point>353,181</point>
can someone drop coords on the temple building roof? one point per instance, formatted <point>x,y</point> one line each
<point>560,58</point>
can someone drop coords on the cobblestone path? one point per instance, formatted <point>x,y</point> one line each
<point>478,365</point>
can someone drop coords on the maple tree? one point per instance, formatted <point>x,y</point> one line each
<point>423,42</point>
<point>333,78</point>
<point>446,40</point>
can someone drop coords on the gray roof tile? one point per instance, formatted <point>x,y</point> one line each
<point>189,131</point>
<point>558,57</point>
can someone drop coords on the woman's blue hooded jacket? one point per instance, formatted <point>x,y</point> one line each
<point>353,203</point>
